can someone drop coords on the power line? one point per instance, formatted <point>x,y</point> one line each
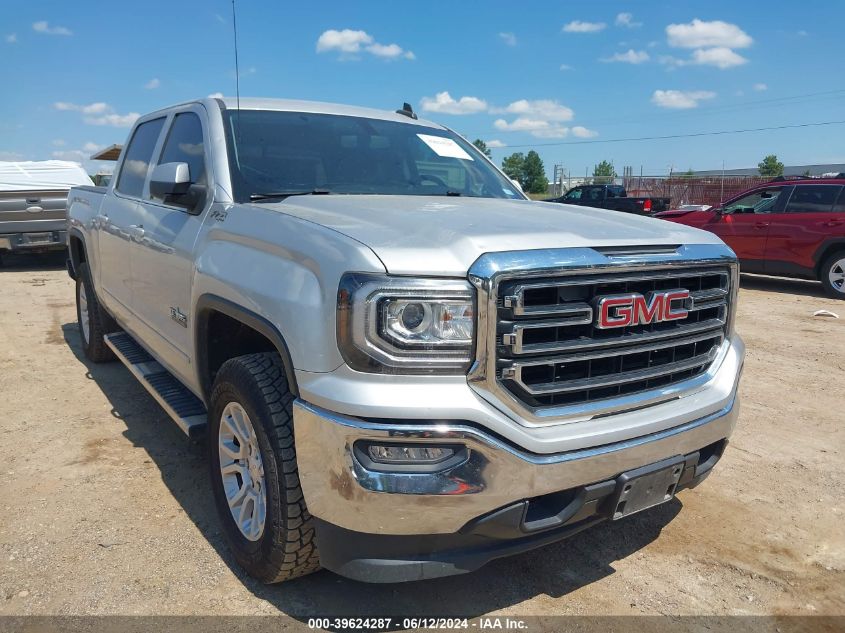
<point>675,136</point>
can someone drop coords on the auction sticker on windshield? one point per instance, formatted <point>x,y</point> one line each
<point>445,147</point>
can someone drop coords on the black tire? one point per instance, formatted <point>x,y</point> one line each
<point>287,548</point>
<point>834,261</point>
<point>100,322</point>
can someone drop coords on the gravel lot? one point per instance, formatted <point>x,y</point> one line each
<point>106,507</point>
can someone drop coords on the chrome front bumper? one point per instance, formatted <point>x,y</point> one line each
<point>340,491</point>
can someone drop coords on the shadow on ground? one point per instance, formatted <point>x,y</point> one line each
<point>782,285</point>
<point>52,260</point>
<point>554,570</point>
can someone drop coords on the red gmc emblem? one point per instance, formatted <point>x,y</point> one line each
<point>636,309</point>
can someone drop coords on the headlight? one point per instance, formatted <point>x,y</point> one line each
<point>405,325</point>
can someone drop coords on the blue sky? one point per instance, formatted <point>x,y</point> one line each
<point>74,74</point>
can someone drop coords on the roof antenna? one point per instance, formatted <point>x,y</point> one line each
<point>237,69</point>
<point>406,110</point>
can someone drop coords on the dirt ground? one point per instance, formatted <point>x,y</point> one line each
<point>106,507</point>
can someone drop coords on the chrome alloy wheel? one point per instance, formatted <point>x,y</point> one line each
<point>837,275</point>
<point>84,316</point>
<point>242,471</point>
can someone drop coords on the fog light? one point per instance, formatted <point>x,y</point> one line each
<point>409,454</point>
<point>410,458</point>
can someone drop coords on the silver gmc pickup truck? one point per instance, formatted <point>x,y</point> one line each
<point>403,367</point>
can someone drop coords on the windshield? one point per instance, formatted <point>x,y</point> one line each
<point>296,152</point>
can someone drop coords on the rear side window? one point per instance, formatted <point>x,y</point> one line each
<point>839,207</point>
<point>139,153</point>
<point>812,199</point>
<point>184,144</point>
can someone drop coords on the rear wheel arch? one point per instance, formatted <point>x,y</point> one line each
<point>239,331</point>
<point>826,250</point>
<point>76,249</point>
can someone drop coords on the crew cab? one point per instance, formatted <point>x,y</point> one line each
<point>403,368</point>
<point>611,197</point>
<point>788,228</point>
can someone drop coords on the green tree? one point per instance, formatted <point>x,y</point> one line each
<point>770,166</point>
<point>513,166</point>
<point>689,173</point>
<point>534,174</point>
<point>482,147</point>
<point>604,172</point>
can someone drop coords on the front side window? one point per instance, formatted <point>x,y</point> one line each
<point>762,201</point>
<point>275,152</point>
<point>812,199</point>
<point>184,144</point>
<point>575,194</point>
<point>139,153</point>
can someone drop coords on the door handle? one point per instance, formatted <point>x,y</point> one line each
<point>136,231</point>
<point>832,223</point>
<point>761,225</point>
<point>34,209</point>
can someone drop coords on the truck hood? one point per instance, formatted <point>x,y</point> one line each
<point>444,236</point>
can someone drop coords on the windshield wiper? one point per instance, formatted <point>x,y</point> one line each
<point>281,195</point>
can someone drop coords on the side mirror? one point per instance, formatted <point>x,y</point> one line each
<point>723,211</point>
<point>170,179</point>
<point>516,183</point>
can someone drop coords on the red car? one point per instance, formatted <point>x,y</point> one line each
<point>789,228</point>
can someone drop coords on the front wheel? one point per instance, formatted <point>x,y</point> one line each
<point>832,275</point>
<point>253,469</point>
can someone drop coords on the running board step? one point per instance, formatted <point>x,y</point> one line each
<point>183,406</point>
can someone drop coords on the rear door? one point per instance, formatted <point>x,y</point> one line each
<point>745,225</point>
<point>811,216</point>
<point>162,256</point>
<point>118,217</point>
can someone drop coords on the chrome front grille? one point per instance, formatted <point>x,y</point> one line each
<point>550,353</point>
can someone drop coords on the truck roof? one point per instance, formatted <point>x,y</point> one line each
<point>315,107</point>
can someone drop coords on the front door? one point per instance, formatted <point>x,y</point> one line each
<point>162,256</point>
<point>744,225</point>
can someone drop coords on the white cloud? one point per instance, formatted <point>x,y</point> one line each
<point>215,95</point>
<point>545,109</point>
<point>99,113</point>
<point>508,38</point>
<point>11,38</point>
<point>495,143</point>
<point>44,27</point>
<point>626,20</point>
<point>9,155</point>
<point>565,67</point>
<point>802,33</point>
<point>577,26</point>
<point>720,57</point>
<point>152,84</point>
<point>628,57</point>
<point>760,87</point>
<point>541,118</point>
<point>582,132</point>
<point>444,103</point>
<point>679,99</point>
<point>91,147</point>
<point>701,34</point>
<point>350,43</point>
<point>59,142</point>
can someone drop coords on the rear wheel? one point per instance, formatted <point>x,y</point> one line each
<point>94,322</point>
<point>832,275</point>
<point>253,470</point>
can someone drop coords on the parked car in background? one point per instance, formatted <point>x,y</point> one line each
<point>611,197</point>
<point>33,203</point>
<point>789,228</point>
<point>405,369</point>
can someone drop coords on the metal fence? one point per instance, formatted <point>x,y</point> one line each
<point>690,190</point>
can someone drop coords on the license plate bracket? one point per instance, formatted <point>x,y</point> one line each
<point>646,487</point>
